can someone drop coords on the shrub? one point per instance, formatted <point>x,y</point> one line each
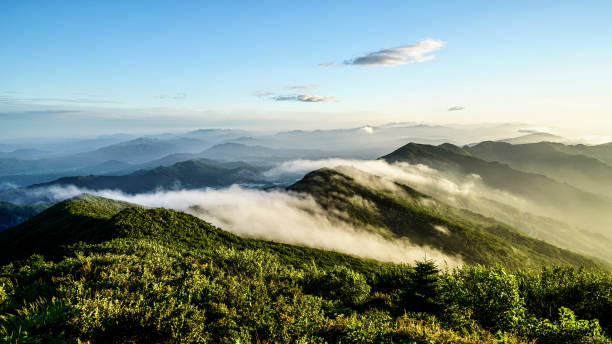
<point>340,283</point>
<point>566,330</point>
<point>491,293</point>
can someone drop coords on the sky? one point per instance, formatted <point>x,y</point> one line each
<point>70,68</point>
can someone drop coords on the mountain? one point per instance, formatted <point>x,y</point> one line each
<point>144,149</point>
<point>25,153</point>
<point>114,272</point>
<point>535,138</point>
<point>602,152</point>
<point>403,212</point>
<point>135,151</point>
<point>186,174</point>
<point>14,214</point>
<point>548,196</point>
<point>553,160</point>
<point>258,154</point>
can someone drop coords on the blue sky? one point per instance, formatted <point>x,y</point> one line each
<point>89,67</point>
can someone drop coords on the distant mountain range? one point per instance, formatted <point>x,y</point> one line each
<point>187,174</point>
<point>553,198</point>
<point>569,164</point>
<point>535,138</point>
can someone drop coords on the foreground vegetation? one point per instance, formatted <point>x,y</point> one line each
<point>160,276</point>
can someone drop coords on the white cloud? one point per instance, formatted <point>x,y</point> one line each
<point>367,129</point>
<point>307,98</point>
<point>400,55</point>
<point>278,216</point>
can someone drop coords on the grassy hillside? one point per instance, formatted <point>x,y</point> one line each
<point>552,160</point>
<point>160,276</point>
<point>425,221</point>
<point>185,174</point>
<point>553,198</point>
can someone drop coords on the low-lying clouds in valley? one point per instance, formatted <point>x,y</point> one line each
<point>257,214</point>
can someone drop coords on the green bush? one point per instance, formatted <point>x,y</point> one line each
<point>490,293</point>
<point>566,330</point>
<point>340,283</point>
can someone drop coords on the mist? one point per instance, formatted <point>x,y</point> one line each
<point>297,219</point>
<point>465,192</point>
<point>278,216</point>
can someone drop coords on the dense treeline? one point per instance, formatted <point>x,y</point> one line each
<point>160,276</point>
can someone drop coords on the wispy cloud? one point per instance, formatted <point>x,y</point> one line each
<point>174,96</point>
<point>264,94</point>
<point>456,108</point>
<point>307,98</point>
<point>301,87</point>
<point>39,113</point>
<point>22,100</point>
<point>401,55</point>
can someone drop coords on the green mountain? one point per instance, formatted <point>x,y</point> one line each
<point>602,152</point>
<point>553,160</point>
<point>185,174</point>
<point>550,197</point>
<point>115,272</point>
<point>402,212</point>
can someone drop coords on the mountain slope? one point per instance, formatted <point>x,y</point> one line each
<point>552,160</point>
<point>424,221</point>
<point>550,198</point>
<point>115,272</point>
<point>92,219</point>
<point>186,174</point>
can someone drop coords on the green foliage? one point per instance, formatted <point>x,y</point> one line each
<point>422,293</point>
<point>587,293</point>
<point>339,283</point>
<point>490,293</point>
<point>566,330</point>
<point>155,275</point>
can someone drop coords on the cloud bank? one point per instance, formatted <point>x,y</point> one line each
<point>279,216</point>
<point>400,55</point>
